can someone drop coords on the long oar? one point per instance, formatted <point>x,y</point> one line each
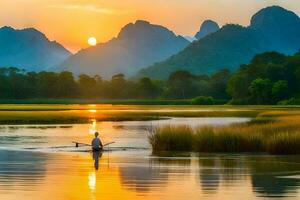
<point>108,143</point>
<point>84,144</point>
<point>79,143</point>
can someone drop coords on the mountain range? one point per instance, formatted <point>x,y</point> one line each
<point>144,49</point>
<point>29,49</point>
<point>271,29</point>
<point>137,45</point>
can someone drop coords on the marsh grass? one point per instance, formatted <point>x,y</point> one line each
<point>65,114</point>
<point>281,136</point>
<point>225,141</point>
<point>179,138</point>
<point>284,143</point>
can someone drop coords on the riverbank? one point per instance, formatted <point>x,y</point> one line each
<point>80,114</point>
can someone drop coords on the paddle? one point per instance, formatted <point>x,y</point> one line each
<point>108,143</point>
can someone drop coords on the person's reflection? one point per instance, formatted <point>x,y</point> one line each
<point>96,156</point>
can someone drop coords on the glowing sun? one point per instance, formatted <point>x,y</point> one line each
<point>92,41</point>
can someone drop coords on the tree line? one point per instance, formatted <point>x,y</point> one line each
<point>19,84</point>
<point>268,79</point>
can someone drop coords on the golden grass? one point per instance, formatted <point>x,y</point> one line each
<point>279,136</point>
<point>52,114</point>
<point>177,138</point>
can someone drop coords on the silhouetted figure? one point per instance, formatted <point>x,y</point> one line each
<point>97,148</point>
<point>96,143</point>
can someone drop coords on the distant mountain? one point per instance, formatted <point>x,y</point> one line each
<point>137,45</point>
<point>279,27</point>
<point>29,49</point>
<point>207,27</point>
<point>271,29</point>
<point>190,38</point>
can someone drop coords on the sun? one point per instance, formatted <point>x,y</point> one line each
<point>92,41</point>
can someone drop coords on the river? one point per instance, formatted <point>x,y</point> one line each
<point>41,162</point>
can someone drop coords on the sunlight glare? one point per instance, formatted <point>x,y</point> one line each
<point>92,181</point>
<point>93,127</point>
<point>92,41</point>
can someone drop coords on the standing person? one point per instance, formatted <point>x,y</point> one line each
<point>96,143</point>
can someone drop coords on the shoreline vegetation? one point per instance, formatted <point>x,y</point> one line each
<point>86,113</point>
<point>272,132</point>
<point>55,101</point>
<point>273,129</point>
<point>43,115</point>
<point>97,101</point>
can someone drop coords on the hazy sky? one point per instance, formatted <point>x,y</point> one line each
<point>71,22</point>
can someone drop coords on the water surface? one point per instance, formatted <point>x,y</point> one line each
<point>125,133</point>
<point>39,162</point>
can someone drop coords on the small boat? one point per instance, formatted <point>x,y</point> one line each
<point>77,144</point>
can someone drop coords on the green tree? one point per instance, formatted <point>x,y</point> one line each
<point>280,90</point>
<point>117,87</point>
<point>87,86</point>
<point>147,89</point>
<point>268,58</point>
<point>32,81</point>
<point>238,86</point>
<point>67,87</point>
<point>182,85</point>
<point>47,84</point>
<point>218,82</point>
<point>261,91</point>
<point>17,83</point>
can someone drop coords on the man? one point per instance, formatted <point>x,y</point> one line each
<point>96,143</point>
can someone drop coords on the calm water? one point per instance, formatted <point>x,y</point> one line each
<point>126,134</point>
<point>39,162</point>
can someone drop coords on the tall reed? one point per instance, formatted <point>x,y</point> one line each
<point>171,138</point>
<point>281,136</point>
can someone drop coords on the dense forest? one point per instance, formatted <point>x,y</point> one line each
<point>18,84</point>
<point>269,78</point>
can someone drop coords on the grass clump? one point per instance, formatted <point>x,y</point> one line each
<point>281,136</point>
<point>171,138</point>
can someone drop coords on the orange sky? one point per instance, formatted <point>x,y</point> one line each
<point>71,22</point>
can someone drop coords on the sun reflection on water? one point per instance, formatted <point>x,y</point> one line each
<point>93,126</point>
<point>92,181</point>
